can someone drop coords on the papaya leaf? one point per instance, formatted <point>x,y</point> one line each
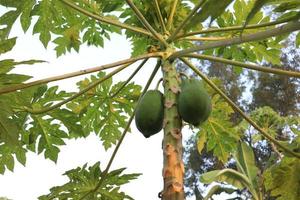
<point>7,45</point>
<point>8,129</point>
<point>7,160</point>
<point>10,135</point>
<point>83,180</point>
<point>45,130</point>
<point>264,52</point>
<point>8,64</point>
<point>212,9</point>
<point>102,114</point>
<point>201,142</point>
<point>220,135</point>
<point>283,179</point>
<point>292,5</point>
<point>268,119</point>
<point>23,8</point>
<point>256,8</point>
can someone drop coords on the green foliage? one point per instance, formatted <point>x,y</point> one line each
<point>266,50</point>
<point>212,9</point>
<point>83,180</point>
<point>283,179</point>
<point>7,45</point>
<point>150,113</point>
<point>102,114</point>
<point>244,177</point>
<point>245,162</point>
<point>269,120</point>
<point>286,5</point>
<point>256,8</point>
<point>218,131</point>
<point>96,111</point>
<point>58,23</point>
<point>46,132</point>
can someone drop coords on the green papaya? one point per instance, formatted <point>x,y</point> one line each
<point>194,103</point>
<point>150,113</point>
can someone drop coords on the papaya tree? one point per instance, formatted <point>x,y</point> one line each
<point>36,117</point>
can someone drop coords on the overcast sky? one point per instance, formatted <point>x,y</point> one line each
<point>138,154</point>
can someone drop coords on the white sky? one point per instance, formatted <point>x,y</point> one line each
<point>138,154</point>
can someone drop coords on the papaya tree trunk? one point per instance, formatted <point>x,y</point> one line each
<point>173,168</point>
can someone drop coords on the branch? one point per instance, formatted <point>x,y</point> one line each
<point>14,88</point>
<point>129,79</point>
<point>238,28</point>
<point>106,19</point>
<point>91,86</point>
<point>288,28</point>
<point>245,65</point>
<point>171,15</point>
<point>144,21</point>
<point>104,174</point>
<point>205,38</point>
<point>183,23</point>
<point>235,107</point>
<point>160,17</point>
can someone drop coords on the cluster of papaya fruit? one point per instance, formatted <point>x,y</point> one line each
<point>193,103</point>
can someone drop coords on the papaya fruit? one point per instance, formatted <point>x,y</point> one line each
<point>150,113</point>
<point>194,103</point>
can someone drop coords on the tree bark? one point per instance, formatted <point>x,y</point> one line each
<point>173,169</point>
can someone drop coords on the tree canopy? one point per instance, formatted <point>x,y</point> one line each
<point>238,36</point>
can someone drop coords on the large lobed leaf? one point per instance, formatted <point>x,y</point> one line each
<point>218,132</point>
<point>102,114</point>
<point>283,179</point>
<point>83,181</point>
<point>210,8</point>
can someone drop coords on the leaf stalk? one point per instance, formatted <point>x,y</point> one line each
<point>144,21</point>
<point>237,28</point>
<point>14,88</point>
<point>185,21</point>
<point>91,86</point>
<point>106,19</point>
<point>290,27</point>
<point>246,65</point>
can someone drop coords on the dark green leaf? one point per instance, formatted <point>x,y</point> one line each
<point>102,114</point>
<point>256,8</point>
<point>211,8</point>
<point>220,135</point>
<point>9,131</point>
<point>283,179</point>
<point>7,45</point>
<point>83,180</point>
<point>287,6</point>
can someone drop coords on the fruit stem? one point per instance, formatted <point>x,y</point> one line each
<point>157,85</point>
<point>184,74</point>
